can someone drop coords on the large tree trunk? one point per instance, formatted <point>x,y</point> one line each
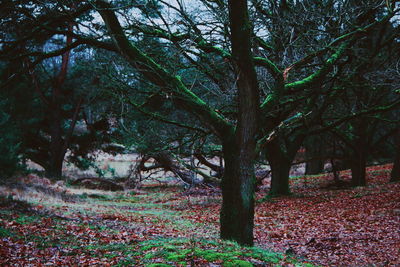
<point>395,174</point>
<point>358,170</point>
<point>280,161</point>
<point>238,183</point>
<point>280,169</point>
<point>54,169</point>
<point>314,157</point>
<point>237,212</point>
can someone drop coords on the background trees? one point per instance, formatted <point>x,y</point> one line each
<point>9,141</point>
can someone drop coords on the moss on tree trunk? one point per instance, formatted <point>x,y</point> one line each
<point>237,212</point>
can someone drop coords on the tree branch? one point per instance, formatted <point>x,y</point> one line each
<point>160,76</point>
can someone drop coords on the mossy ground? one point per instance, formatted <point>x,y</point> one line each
<point>149,229</point>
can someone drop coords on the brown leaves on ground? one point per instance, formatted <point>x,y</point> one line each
<point>346,227</point>
<point>351,227</point>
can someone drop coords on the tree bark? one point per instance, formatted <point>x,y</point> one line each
<point>238,183</point>
<point>280,153</point>
<point>57,144</point>
<point>358,170</point>
<point>280,168</point>
<point>237,211</point>
<point>358,160</point>
<point>279,177</point>
<point>314,149</point>
<point>395,174</point>
<point>57,153</point>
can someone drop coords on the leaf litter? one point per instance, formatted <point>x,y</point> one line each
<point>347,227</point>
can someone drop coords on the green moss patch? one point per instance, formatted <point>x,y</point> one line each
<point>5,232</point>
<point>238,263</point>
<point>27,219</point>
<point>187,251</point>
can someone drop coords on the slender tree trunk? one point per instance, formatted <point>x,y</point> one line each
<point>334,162</point>
<point>395,174</point>
<point>358,160</point>
<point>57,151</point>
<point>335,171</point>
<point>57,144</point>
<point>358,164</point>
<point>237,212</point>
<point>358,170</point>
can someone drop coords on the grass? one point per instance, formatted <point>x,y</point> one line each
<point>180,252</point>
<point>164,226</point>
<point>5,232</point>
<point>128,230</point>
<point>27,219</point>
<point>183,251</point>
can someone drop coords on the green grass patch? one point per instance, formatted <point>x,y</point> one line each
<point>5,232</point>
<point>27,219</point>
<point>45,242</point>
<point>154,209</point>
<point>238,263</point>
<point>183,251</point>
<point>159,265</point>
<point>6,212</point>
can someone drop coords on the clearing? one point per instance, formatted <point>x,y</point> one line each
<point>168,226</point>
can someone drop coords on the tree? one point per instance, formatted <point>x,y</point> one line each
<point>314,154</point>
<point>48,150</point>
<point>367,87</point>
<point>240,142</point>
<point>46,109</point>
<point>262,98</point>
<point>238,182</point>
<point>395,174</point>
<point>10,139</point>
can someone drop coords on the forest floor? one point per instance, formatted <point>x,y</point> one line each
<point>168,226</point>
